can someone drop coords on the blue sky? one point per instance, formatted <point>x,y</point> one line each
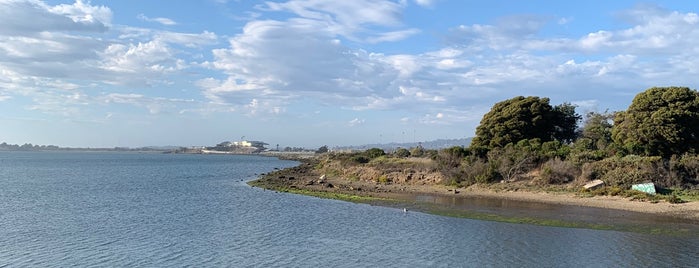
<point>321,72</point>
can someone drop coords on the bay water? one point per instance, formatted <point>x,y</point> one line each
<point>89,209</point>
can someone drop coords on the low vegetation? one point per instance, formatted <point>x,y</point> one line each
<point>527,142</point>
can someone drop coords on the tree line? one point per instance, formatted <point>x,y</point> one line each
<point>526,138</point>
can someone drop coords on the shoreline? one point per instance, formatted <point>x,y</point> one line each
<point>563,209</point>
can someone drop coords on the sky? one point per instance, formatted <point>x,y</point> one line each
<point>307,73</point>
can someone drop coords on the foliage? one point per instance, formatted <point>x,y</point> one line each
<point>556,171</point>
<point>598,129</point>
<point>628,170</point>
<point>478,170</point>
<point>323,149</point>
<point>686,169</point>
<point>522,118</point>
<point>417,151</point>
<point>450,157</point>
<point>360,159</point>
<point>660,121</point>
<point>513,160</point>
<point>518,144</point>
<point>402,152</point>
<point>565,122</point>
<point>374,153</point>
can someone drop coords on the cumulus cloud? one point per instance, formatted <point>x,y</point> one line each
<point>482,63</point>
<point>26,18</point>
<point>53,53</point>
<point>350,19</point>
<point>321,51</point>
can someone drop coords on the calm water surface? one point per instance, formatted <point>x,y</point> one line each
<point>159,210</point>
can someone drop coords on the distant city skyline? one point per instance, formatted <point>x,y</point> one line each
<point>309,73</point>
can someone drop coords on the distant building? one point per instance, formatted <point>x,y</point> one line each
<point>225,144</point>
<point>255,144</point>
<point>243,147</point>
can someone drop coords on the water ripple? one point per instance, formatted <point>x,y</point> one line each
<point>143,210</point>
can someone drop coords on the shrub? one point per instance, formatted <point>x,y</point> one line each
<point>628,170</point>
<point>477,170</point>
<point>361,159</point>
<point>383,179</point>
<point>556,171</point>
<point>450,157</point>
<point>688,170</point>
<point>417,151</point>
<point>402,152</point>
<point>512,161</point>
<point>374,153</point>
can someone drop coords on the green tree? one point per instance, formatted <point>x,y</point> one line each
<point>660,121</point>
<point>323,149</point>
<point>598,129</point>
<point>565,122</point>
<point>523,118</point>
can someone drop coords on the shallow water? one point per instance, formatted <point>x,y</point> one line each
<point>159,210</point>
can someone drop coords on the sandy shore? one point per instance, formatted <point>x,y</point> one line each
<point>304,177</point>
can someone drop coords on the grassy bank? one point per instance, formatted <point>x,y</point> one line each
<point>311,178</point>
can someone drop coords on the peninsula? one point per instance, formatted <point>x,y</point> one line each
<point>644,160</point>
<point>416,183</point>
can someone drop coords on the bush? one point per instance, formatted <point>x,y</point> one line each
<point>513,160</point>
<point>374,153</point>
<point>450,157</point>
<point>361,159</point>
<point>417,151</point>
<point>402,152</point>
<point>477,170</point>
<point>626,171</point>
<point>688,170</point>
<point>556,171</point>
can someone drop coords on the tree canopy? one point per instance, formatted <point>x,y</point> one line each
<point>660,121</point>
<point>523,118</point>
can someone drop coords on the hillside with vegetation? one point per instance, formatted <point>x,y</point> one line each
<point>525,143</point>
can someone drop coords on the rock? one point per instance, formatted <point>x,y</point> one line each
<point>330,185</point>
<point>291,178</point>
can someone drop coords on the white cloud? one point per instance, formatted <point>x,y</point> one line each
<point>355,122</point>
<point>426,3</point>
<point>350,19</point>
<point>67,56</point>
<point>32,17</point>
<point>163,21</point>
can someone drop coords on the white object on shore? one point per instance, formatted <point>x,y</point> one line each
<point>594,184</point>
